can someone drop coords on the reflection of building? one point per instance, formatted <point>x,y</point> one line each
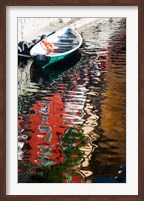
<point>47,126</point>
<point>52,141</point>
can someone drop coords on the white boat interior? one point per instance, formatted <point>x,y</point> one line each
<point>63,41</point>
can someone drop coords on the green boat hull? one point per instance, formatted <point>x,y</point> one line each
<point>51,60</point>
<point>55,60</point>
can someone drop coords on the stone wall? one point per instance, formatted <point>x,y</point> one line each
<point>30,28</point>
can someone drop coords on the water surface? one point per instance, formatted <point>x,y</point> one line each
<point>72,118</point>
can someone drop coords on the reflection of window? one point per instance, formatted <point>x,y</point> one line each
<point>48,139</point>
<point>23,137</point>
<point>46,151</point>
<point>44,119</point>
<point>44,110</point>
<point>20,151</point>
<point>46,102</point>
<point>45,129</point>
<point>45,161</point>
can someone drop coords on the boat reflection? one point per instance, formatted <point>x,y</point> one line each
<point>54,71</point>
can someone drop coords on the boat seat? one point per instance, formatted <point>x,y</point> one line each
<point>61,49</point>
<point>64,47</point>
<point>66,41</point>
<point>62,43</point>
<point>68,35</point>
<point>65,38</point>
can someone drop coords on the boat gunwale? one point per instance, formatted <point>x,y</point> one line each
<point>67,52</point>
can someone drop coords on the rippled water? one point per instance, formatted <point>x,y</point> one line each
<point>72,118</point>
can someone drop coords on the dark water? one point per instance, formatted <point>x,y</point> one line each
<point>72,118</point>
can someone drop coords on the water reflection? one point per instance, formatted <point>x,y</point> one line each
<point>72,122</point>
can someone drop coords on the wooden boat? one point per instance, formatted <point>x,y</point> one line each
<point>56,47</point>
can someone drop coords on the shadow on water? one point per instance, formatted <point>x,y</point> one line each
<point>72,117</point>
<point>40,76</point>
